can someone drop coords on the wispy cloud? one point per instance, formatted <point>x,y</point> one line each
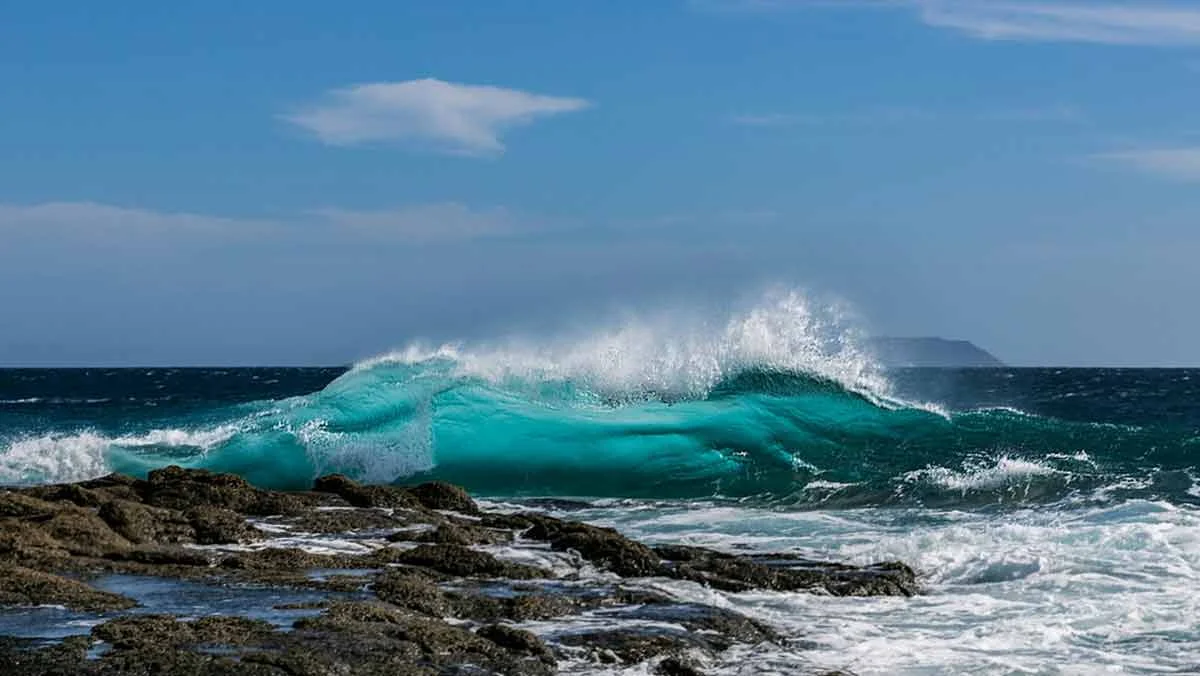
<point>903,114</point>
<point>429,223</point>
<point>105,223</point>
<point>1180,164</point>
<point>774,119</point>
<point>1058,113</point>
<point>1113,22</point>
<point>885,115</point>
<point>455,118</point>
<point>92,224</point>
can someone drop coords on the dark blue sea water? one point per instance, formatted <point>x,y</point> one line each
<point>1053,513</point>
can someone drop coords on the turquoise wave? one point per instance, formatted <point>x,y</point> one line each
<point>776,402</point>
<point>764,432</point>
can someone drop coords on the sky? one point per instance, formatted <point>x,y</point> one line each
<point>308,182</point>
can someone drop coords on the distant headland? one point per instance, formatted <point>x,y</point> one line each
<point>931,352</point>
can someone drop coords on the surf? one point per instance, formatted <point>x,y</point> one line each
<point>776,401</point>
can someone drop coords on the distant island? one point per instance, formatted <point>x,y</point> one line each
<point>931,352</point>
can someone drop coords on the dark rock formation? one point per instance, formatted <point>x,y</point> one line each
<point>729,572</point>
<point>25,587</point>
<point>442,603</point>
<point>365,496</point>
<point>604,547</point>
<point>441,495</point>
<point>463,561</point>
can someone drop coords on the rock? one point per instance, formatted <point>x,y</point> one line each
<point>454,534</point>
<point>27,657</point>
<point>465,562</point>
<point>26,542</point>
<point>365,496</point>
<point>631,646</point>
<point>517,641</point>
<point>23,586</point>
<point>518,608</point>
<point>342,521</point>
<point>734,573</point>
<point>20,506</point>
<point>716,628</point>
<point>278,558</point>
<point>141,524</point>
<point>182,489</point>
<point>677,666</point>
<point>379,639</point>
<point>134,630</point>
<point>412,591</point>
<point>218,526</point>
<point>604,547</point>
<point>83,533</point>
<point>159,555</point>
<point>72,493</point>
<point>167,630</point>
<point>441,495</point>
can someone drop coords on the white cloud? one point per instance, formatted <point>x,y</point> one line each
<point>1113,22</point>
<point>1181,164</point>
<point>456,118</point>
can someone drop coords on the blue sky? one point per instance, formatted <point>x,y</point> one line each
<point>301,182</point>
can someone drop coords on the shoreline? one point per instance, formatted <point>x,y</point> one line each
<point>409,580</point>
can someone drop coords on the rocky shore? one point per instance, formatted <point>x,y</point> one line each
<point>403,580</point>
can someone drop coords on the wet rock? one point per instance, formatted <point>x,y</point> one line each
<point>141,524</point>
<point>734,573</point>
<point>411,590</point>
<point>517,641</point>
<point>278,558</point>
<point>83,533</point>
<point>359,495</point>
<point>20,506</point>
<point>23,586</point>
<point>631,646</point>
<point>465,562</point>
<point>181,489</point>
<point>167,630</point>
<point>343,521</point>
<point>518,608</point>
<point>677,666</point>
<point>25,542</point>
<point>718,628</point>
<point>604,547</point>
<point>454,534</point>
<point>128,632</point>
<point>26,657</point>
<point>156,555</point>
<point>388,640</point>
<point>218,526</point>
<point>441,495</point>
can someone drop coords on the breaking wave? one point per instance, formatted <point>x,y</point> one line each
<point>778,401</point>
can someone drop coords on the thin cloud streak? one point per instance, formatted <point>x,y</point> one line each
<point>90,223</point>
<point>1180,164</point>
<point>443,116</point>
<point>1111,22</point>
<point>901,114</point>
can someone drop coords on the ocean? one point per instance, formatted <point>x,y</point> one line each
<point>1053,514</point>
